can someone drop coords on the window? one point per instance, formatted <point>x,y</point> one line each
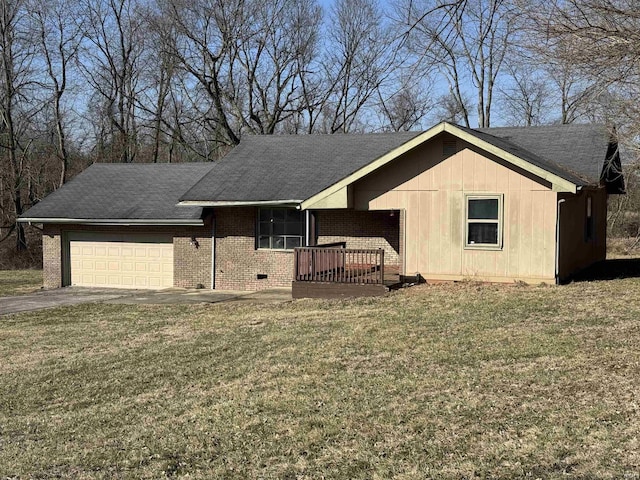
<point>589,229</point>
<point>484,221</point>
<point>280,228</point>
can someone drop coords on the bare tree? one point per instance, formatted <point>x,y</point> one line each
<point>525,98</point>
<point>114,37</point>
<point>357,61</point>
<point>245,58</point>
<point>405,108</point>
<point>598,43</point>
<point>59,33</point>
<point>469,40</point>
<point>16,56</point>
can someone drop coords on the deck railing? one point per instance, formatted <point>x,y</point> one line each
<point>331,263</point>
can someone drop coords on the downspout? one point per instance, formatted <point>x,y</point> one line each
<point>213,252</point>
<point>560,202</point>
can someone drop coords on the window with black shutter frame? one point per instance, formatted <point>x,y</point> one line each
<point>280,228</point>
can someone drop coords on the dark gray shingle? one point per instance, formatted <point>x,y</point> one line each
<point>124,191</point>
<point>291,167</point>
<point>296,167</point>
<point>578,149</point>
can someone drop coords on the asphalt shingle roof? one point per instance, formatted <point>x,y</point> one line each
<point>575,149</point>
<point>291,167</point>
<point>124,191</point>
<point>294,167</point>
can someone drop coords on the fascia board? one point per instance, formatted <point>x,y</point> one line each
<point>113,221</point>
<point>559,184</point>
<point>233,203</point>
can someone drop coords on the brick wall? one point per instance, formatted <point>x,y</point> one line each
<point>51,257</point>
<point>361,229</point>
<point>191,265</point>
<point>238,262</point>
<point>192,260</point>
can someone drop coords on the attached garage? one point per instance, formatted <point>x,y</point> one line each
<point>120,260</point>
<point>120,226</point>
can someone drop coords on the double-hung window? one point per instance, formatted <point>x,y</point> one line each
<point>483,224</point>
<point>280,228</point>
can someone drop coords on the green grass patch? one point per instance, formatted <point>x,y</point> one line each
<point>449,381</point>
<point>19,282</point>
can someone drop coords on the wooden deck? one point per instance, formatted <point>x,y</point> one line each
<point>332,271</point>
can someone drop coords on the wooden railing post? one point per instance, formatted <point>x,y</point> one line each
<point>339,265</point>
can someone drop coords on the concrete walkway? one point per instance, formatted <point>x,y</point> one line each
<point>78,295</point>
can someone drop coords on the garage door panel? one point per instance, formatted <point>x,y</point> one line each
<point>121,261</point>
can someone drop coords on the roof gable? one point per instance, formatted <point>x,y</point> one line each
<point>308,169</point>
<point>560,179</point>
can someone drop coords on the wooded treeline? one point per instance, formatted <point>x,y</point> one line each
<point>85,81</point>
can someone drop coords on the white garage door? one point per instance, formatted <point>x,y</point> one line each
<point>121,261</point>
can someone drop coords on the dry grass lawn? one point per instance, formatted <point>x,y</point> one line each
<point>447,381</point>
<point>18,282</point>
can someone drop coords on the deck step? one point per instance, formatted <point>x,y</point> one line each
<point>336,290</point>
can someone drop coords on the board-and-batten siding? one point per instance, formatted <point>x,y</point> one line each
<point>431,189</point>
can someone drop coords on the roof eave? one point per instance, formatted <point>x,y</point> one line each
<point>238,203</point>
<point>113,221</point>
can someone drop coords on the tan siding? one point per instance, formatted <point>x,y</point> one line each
<point>432,191</point>
<point>575,252</point>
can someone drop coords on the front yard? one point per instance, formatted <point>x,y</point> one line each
<point>447,381</point>
<point>17,282</point>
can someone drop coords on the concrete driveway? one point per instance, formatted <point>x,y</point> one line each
<point>77,295</point>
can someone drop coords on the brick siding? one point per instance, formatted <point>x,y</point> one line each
<point>51,257</point>
<point>192,260</point>
<point>238,262</point>
<point>362,230</point>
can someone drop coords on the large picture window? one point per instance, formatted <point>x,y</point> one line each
<point>483,221</point>
<point>280,228</point>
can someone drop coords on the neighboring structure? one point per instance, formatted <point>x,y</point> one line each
<point>500,204</point>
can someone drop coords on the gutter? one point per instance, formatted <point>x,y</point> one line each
<point>112,221</point>
<point>242,203</point>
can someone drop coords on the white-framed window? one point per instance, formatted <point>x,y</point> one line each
<point>483,221</point>
<point>280,228</point>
